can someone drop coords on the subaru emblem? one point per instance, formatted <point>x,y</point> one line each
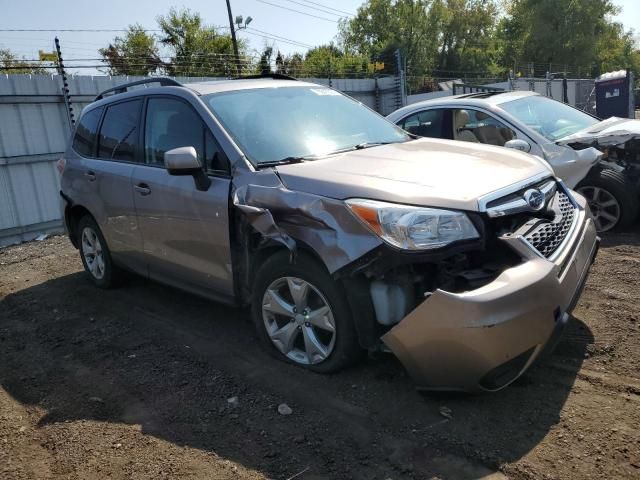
<point>534,198</point>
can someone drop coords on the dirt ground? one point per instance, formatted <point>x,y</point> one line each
<point>136,383</point>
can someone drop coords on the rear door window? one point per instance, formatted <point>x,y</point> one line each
<point>118,139</point>
<point>427,123</point>
<point>84,141</point>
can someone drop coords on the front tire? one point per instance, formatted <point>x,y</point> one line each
<point>95,254</point>
<point>612,199</point>
<point>302,316</point>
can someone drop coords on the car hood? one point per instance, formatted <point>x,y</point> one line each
<point>612,131</point>
<point>427,172</point>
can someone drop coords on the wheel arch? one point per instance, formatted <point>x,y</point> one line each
<point>621,187</point>
<point>72,215</point>
<point>359,300</point>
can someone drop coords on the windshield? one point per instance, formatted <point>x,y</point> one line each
<point>552,119</point>
<point>292,123</point>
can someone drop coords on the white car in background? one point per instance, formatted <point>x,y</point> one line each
<point>600,159</point>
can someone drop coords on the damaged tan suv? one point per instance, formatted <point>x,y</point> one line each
<point>340,230</point>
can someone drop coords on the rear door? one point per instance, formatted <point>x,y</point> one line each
<point>79,179</point>
<point>185,231</point>
<point>105,172</point>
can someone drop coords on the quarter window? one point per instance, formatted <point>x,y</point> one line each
<point>173,123</point>
<point>118,138</point>
<point>84,141</point>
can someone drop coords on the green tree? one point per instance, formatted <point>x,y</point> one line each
<point>468,42</point>
<point>136,53</point>
<point>617,50</point>
<point>448,36</point>
<point>330,61</point>
<point>565,32</point>
<point>292,65</point>
<point>198,49</point>
<point>11,64</point>
<point>381,26</point>
<point>321,61</point>
<point>264,66</point>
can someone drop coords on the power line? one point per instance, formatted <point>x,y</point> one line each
<point>90,30</point>
<point>329,8</point>
<point>315,8</point>
<point>276,39</point>
<point>298,11</point>
<point>273,36</point>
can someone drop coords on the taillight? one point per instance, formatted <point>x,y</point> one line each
<point>60,164</point>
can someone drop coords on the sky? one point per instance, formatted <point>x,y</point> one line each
<point>270,19</point>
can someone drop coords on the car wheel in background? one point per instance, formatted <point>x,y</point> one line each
<point>613,200</point>
<point>95,254</point>
<point>302,316</point>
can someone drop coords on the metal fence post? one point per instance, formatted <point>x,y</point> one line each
<point>65,87</point>
<point>399,80</point>
<point>376,97</point>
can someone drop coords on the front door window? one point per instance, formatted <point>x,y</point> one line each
<point>477,126</point>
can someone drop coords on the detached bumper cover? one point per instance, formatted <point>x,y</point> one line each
<point>484,339</point>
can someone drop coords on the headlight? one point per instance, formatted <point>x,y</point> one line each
<point>413,228</point>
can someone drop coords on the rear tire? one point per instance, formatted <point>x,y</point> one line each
<point>612,198</point>
<point>301,315</point>
<point>95,254</point>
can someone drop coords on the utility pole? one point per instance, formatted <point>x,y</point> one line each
<point>233,37</point>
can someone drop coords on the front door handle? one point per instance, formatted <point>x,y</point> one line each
<point>91,176</point>
<point>142,189</point>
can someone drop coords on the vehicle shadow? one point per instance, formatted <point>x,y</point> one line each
<point>630,237</point>
<point>146,354</point>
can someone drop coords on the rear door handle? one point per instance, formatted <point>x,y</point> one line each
<point>142,189</point>
<point>91,176</point>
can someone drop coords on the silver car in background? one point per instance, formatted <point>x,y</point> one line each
<point>335,226</point>
<point>601,160</point>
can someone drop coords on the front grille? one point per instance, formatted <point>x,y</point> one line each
<point>547,236</point>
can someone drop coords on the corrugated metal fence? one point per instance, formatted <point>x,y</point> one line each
<point>580,92</point>
<point>34,131</point>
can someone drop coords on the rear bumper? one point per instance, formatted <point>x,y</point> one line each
<point>486,338</point>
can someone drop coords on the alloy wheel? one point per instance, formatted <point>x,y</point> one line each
<point>299,320</point>
<point>92,252</point>
<point>604,207</point>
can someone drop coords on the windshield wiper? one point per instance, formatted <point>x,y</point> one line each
<point>283,161</point>
<point>300,159</point>
<point>363,145</point>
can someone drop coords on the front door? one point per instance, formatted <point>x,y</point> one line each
<point>185,232</point>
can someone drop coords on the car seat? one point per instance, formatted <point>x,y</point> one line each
<point>460,120</point>
<point>180,132</point>
<point>491,133</point>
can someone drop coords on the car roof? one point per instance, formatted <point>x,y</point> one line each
<point>475,99</point>
<point>480,98</point>
<point>217,86</point>
<point>197,88</point>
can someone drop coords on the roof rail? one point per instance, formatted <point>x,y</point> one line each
<point>275,76</point>
<point>163,81</point>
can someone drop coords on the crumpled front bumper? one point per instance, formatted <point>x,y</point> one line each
<point>484,339</point>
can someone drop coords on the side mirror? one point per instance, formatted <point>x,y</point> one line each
<point>518,144</point>
<point>184,161</point>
